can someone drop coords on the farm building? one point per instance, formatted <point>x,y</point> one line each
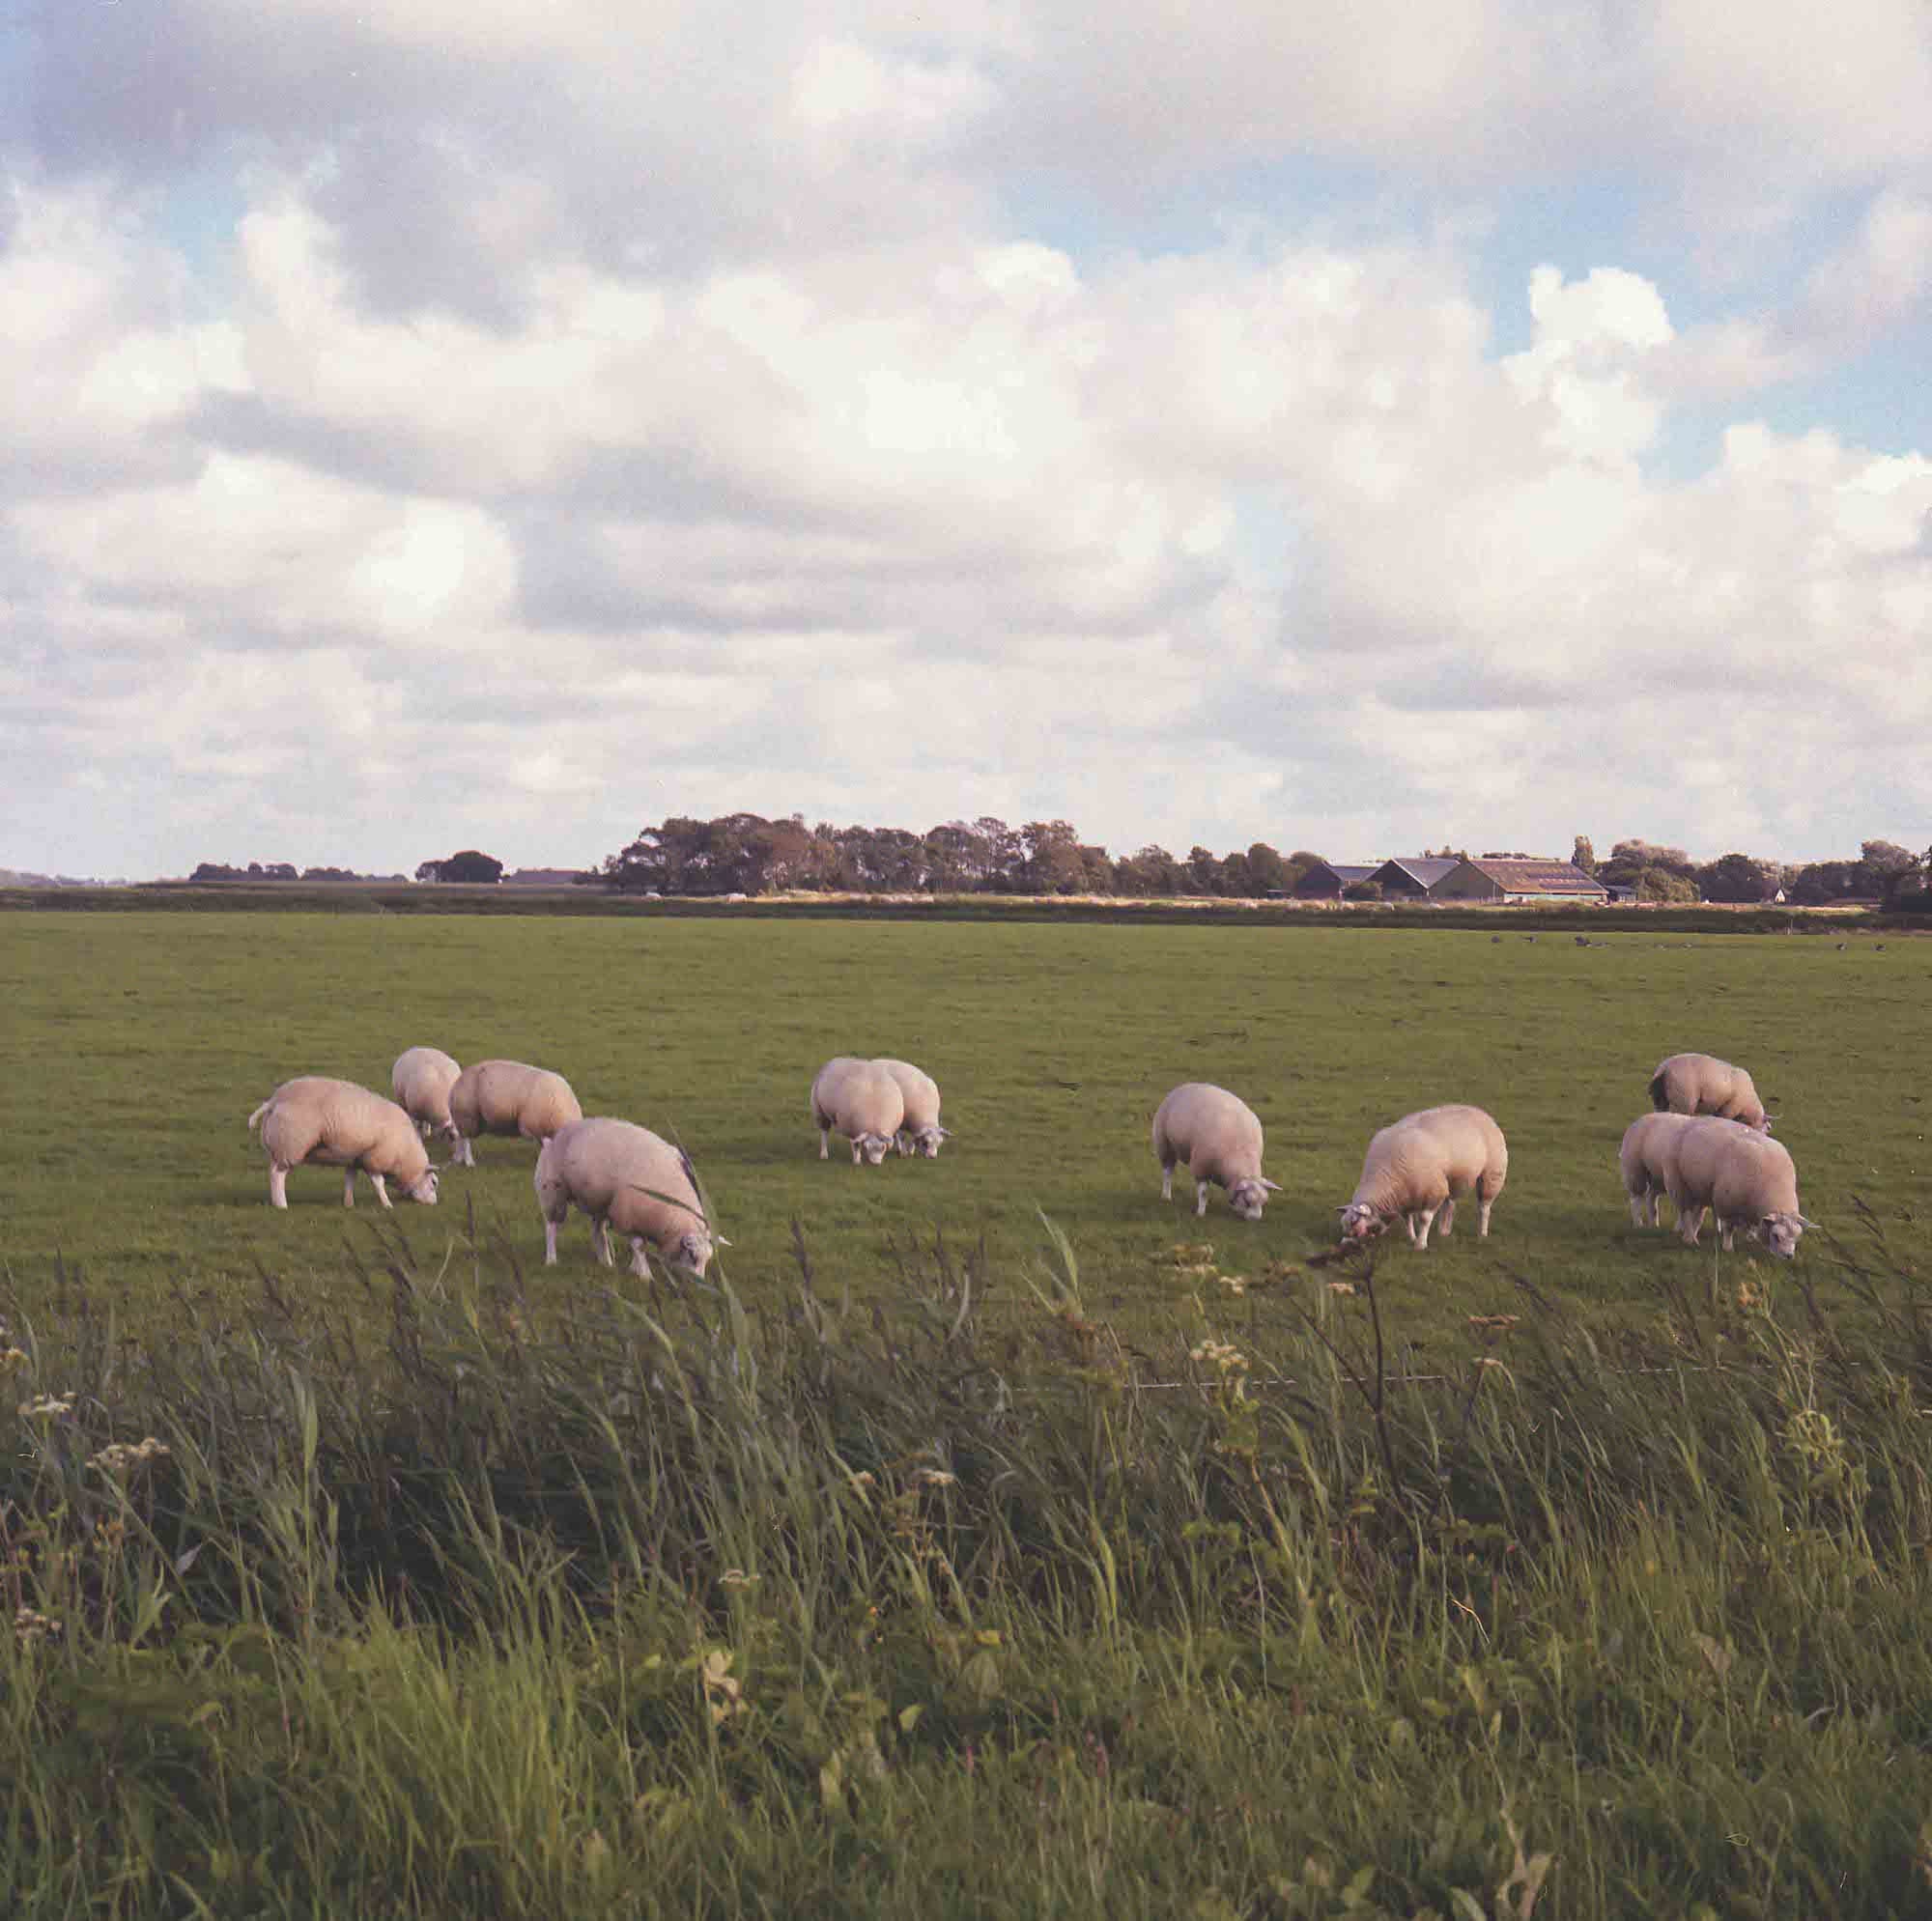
<point>1514,882</point>
<point>1411,876</point>
<point>1325,880</point>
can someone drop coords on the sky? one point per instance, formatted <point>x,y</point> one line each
<point>1355,428</point>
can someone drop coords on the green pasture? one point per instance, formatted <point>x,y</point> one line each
<point>356,1565</point>
<point>133,1047</point>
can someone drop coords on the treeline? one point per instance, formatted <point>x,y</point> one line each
<point>282,871</point>
<point>748,854</point>
<point>1883,872</point>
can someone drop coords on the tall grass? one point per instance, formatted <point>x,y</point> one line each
<point>581,1605</point>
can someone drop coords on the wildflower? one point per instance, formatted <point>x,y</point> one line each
<point>118,1459</point>
<point>12,1358</point>
<point>1494,1323</point>
<point>1221,1355</point>
<point>1236,1284</point>
<point>736,1577</point>
<point>48,1407</point>
<point>935,1477</point>
<point>724,1694</point>
<point>1340,1286</point>
<point>31,1625</point>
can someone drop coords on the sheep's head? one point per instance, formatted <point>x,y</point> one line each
<point>929,1138</point>
<point>1247,1198</point>
<point>873,1147</point>
<point>1779,1234</point>
<point>693,1252</point>
<point>1360,1222</point>
<point>423,1188</point>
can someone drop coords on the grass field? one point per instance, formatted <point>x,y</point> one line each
<point>135,1045</point>
<point>458,1587</point>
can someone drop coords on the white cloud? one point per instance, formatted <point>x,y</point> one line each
<point>504,425</point>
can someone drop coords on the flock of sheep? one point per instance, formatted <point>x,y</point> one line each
<point>1707,1147</point>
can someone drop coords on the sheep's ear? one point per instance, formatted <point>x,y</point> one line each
<point>1272,1186</point>
<point>1804,1223</point>
<point>719,1241</point>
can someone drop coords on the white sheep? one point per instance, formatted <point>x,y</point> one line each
<point>859,1100</point>
<point>1745,1177</point>
<point>1702,1084</point>
<point>1416,1166</point>
<point>338,1124</point>
<point>420,1081</point>
<point>1645,1158</point>
<point>511,1097</point>
<point>625,1177</point>
<point>1217,1136</point>
<point>919,1126</point>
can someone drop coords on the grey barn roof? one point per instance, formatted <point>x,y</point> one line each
<point>1424,869</point>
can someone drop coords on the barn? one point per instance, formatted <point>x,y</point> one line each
<point>1411,876</point>
<point>1325,880</point>
<point>1519,882</point>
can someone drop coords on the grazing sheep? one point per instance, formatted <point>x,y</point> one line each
<point>1219,1138</point>
<point>1745,1177</point>
<point>859,1100</point>
<point>509,1098</point>
<point>338,1124</point>
<point>624,1176</point>
<point>919,1126</point>
<point>1648,1147</point>
<point>1416,1166</point>
<point>1702,1084</point>
<point>420,1081</point>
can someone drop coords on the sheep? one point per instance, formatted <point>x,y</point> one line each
<point>1649,1145</point>
<point>509,1098</point>
<point>1701,1084</point>
<point>625,1177</point>
<point>1416,1166</point>
<point>337,1123</point>
<point>420,1082</point>
<point>1219,1138</point>
<point>1745,1177</point>
<point>919,1126</point>
<point>859,1100</point>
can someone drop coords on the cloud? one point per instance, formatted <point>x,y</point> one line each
<point>502,425</point>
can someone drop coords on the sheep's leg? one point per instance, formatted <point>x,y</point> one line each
<point>1484,1203</point>
<point>824,1140</point>
<point>1690,1222</point>
<point>599,1241</point>
<point>381,1192</point>
<point>349,1185</point>
<point>1445,1218</point>
<point>640,1266</point>
<point>1426,1216</point>
<point>1201,1188</point>
<point>1409,1224</point>
<point>1639,1202</point>
<point>550,1241</point>
<point>278,1186</point>
<point>1726,1234</point>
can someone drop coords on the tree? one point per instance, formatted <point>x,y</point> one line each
<point>1583,855</point>
<point>1268,871</point>
<point>1362,890</point>
<point>1660,884</point>
<point>1736,877</point>
<point>468,866</point>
